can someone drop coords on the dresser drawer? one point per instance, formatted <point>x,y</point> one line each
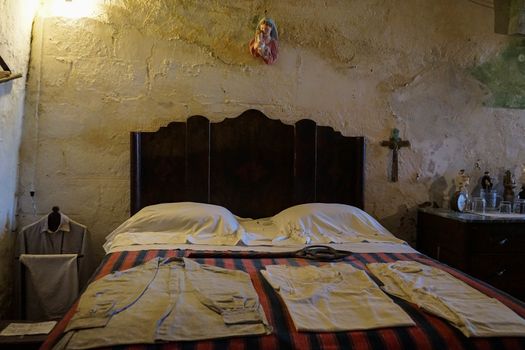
<point>505,272</point>
<point>497,238</point>
<point>491,249</point>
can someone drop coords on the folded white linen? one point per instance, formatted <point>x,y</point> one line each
<point>334,297</point>
<point>360,247</point>
<point>472,312</point>
<point>261,232</point>
<point>146,238</point>
<point>54,280</point>
<point>212,238</point>
<point>153,240</point>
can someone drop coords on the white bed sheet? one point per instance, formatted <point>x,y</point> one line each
<point>360,247</point>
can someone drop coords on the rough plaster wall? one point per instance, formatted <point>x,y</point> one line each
<point>15,34</point>
<point>504,76</point>
<point>362,67</point>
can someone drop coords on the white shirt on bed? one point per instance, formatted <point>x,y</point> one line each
<point>335,297</point>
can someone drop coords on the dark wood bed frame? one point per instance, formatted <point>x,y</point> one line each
<point>253,165</point>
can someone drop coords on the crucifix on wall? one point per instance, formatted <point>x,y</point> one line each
<point>395,143</point>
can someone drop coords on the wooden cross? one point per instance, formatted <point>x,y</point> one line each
<point>395,143</point>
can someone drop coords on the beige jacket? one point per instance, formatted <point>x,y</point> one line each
<point>163,301</point>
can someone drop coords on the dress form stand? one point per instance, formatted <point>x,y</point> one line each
<point>53,219</point>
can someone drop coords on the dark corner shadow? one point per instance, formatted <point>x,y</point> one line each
<point>436,192</point>
<point>403,224</point>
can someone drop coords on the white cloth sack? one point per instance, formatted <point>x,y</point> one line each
<point>53,279</point>
<point>438,292</point>
<point>334,297</point>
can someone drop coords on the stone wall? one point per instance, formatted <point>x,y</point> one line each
<point>15,34</point>
<point>362,67</point>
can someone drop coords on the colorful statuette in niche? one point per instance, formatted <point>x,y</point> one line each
<point>265,42</point>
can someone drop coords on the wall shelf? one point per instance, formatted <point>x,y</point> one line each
<point>5,73</point>
<point>10,77</point>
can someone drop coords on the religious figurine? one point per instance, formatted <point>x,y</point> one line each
<point>508,184</point>
<point>265,42</point>
<point>395,143</point>
<point>461,198</point>
<point>486,182</point>
<point>521,195</point>
<point>462,181</point>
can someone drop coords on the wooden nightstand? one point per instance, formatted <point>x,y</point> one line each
<point>491,249</point>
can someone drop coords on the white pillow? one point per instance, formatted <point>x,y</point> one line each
<point>329,223</point>
<point>189,222</point>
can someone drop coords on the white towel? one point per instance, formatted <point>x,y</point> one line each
<point>54,280</point>
<point>438,292</point>
<point>334,297</point>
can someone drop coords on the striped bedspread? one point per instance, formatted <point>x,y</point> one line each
<point>430,333</point>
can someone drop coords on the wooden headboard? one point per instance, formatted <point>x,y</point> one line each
<point>253,165</point>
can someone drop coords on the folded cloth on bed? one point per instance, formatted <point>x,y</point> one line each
<point>335,297</point>
<point>162,301</point>
<point>472,312</point>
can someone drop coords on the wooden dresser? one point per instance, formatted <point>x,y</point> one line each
<point>491,249</point>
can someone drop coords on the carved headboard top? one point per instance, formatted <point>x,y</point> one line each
<point>253,165</point>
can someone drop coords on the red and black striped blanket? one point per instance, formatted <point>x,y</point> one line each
<point>430,331</point>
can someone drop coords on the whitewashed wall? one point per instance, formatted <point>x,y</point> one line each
<point>15,34</point>
<point>362,67</point>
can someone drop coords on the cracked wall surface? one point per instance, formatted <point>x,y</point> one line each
<point>15,34</point>
<point>362,67</point>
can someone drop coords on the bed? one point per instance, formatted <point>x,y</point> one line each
<point>258,167</point>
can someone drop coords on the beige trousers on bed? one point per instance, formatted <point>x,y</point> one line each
<point>435,290</point>
<point>162,302</point>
